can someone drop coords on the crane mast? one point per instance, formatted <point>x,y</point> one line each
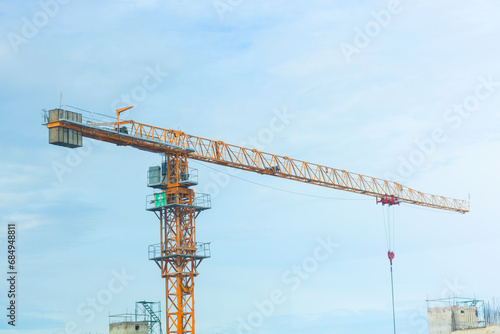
<point>178,255</point>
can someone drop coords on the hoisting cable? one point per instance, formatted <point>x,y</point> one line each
<point>389,237</point>
<point>390,254</point>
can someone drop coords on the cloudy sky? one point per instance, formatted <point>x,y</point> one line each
<point>403,90</point>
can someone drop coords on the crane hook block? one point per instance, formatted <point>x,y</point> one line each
<point>390,255</point>
<point>389,200</point>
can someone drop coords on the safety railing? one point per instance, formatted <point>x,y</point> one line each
<point>190,178</point>
<point>202,251</point>
<point>161,200</point>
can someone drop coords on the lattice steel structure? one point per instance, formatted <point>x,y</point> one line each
<point>178,254</point>
<point>146,314</point>
<point>176,205</point>
<point>155,139</point>
<point>151,313</point>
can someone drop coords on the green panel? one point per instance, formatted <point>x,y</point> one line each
<point>159,200</point>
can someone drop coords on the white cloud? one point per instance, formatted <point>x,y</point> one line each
<point>23,222</point>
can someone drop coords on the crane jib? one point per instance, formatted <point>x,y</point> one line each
<point>159,140</point>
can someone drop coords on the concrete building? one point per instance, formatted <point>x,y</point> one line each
<point>445,320</point>
<point>484,330</point>
<point>145,320</point>
<point>140,327</point>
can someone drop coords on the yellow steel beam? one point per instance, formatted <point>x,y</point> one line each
<point>155,139</point>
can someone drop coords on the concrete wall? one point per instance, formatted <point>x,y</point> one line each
<point>129,328</point>
<point>465,317</point>
<point>487,330</point>
<point>443,320</point>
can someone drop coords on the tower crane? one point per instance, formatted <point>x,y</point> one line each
<point>177,206</point>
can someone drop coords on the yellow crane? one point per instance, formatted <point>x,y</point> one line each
<point>176,205</point>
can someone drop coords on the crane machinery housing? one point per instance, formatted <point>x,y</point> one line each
<point>178,254</point>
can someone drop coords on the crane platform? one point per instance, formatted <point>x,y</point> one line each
<point>202,251</point>
<point>159,201</point>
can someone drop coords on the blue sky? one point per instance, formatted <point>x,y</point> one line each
<point>416,102</point>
